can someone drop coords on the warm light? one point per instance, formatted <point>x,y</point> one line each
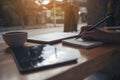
<point>59,0</point>
<point>44,2</point>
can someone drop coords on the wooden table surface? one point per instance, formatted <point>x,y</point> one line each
<point>90,61</point>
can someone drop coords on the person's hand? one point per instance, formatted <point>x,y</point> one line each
<point>101,35</point>
<point>92,35</point>
<point>84,28</point>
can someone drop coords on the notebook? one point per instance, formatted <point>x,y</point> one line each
<point>51,38</point>
<point>41,57</point>
<point>82,43</point>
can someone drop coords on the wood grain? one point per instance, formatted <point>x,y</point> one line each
<point>91,61</point>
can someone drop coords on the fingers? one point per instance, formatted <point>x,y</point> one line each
<point>84,28</point>
<point>95,34</point>
<point>92,35</point>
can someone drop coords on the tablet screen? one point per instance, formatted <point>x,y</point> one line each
<point>40,57</point>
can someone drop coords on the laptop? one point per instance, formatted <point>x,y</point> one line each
<point>51,38</point>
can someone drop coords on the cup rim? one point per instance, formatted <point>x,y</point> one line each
<point>11,33</point>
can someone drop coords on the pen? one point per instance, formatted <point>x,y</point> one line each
<point>95,25</point>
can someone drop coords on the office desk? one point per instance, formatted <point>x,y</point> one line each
<point>91,61</point>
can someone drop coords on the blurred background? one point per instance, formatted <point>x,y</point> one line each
<point>31,14</point>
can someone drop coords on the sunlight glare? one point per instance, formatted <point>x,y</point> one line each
<point>44,2</point>
<point>59,0</point>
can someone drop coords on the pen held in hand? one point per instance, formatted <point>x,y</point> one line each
<point>78,36</point>
<point>95,25</point>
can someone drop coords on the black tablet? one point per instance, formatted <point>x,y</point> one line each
<point>41,57</point>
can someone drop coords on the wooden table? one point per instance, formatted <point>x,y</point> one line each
<point>91,60</point>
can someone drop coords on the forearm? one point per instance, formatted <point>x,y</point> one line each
<point>110,37</point>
